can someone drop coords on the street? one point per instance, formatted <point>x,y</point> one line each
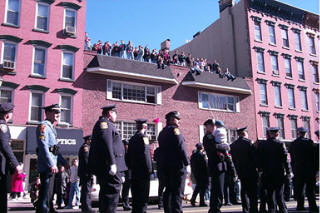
<point>26,207</point>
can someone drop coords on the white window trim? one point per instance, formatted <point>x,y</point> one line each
<point>64,19</point>
<point>5,15</point>
<point>61,73</point>
<point>30,105</point>
<point>158,91</point>
<point>71,109</point>
<point>263,62</point>
<point>12,92</point>
<point>36,18</point>
<point>236,102</point>
<point>2,50</point>
<point>45,61</point>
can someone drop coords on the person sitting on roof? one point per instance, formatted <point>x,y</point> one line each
<point>229,75</point>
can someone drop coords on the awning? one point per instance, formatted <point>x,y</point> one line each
<point>69,140</point>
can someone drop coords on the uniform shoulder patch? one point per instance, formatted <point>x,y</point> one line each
<point>41,137</point>
<point>146,140</point>
<point>176,131</point>
<point>86,149</point>
<point>104,125</point>
<point>42,128</point>
<point>3,128</point>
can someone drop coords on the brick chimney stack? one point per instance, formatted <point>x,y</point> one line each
<point>165,44</point>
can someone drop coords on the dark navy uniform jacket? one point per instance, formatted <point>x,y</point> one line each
<point>273,162</point>
<point>83,155</point>
<point>173,153</point>
<point>199,167</point>
<point>303,156</point>
<point>139,157</point>
<point>6,155</point>
<point>106,148</point>
<point>243,154</point>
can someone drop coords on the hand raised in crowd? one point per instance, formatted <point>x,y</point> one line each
<point>54,169</point>
<point>113,169</point>
<point>19,169</point>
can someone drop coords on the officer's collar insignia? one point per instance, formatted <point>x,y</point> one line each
<point>146,140</point>
<point>86,149</point>
<point>42,128</point>
<point>176,131</point>
<point>104,125</point>
<point>41,137</point>
<point>3,128</point>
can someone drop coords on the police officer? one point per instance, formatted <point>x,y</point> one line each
<point>275,167</point>
<point>7,157</point>
<point>47,157</point>
<point>174,163</point>
<point>127,180</point>
<point>106,159</point>
<point>85,176</point>
<point>217,167</point>
<point>199,169</point>
<point>139,162</point>
<point>303,161</point>
<point>243,154</point>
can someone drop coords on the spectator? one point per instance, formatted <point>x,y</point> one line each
<point>74,185</point>
<point>17,183</point>
<point>99,47</point>
<point>175,58</point>
<point>122,49</point>
<point>229,75</point>
<point>154,56</point>
<point>140,53</point>
<point>87,45</point>
<point>166,57</point>
<point>146,55</point>
<point>182,59</point>
<point>34,191</point>
<point>160,62</point>
<point>188,60</point>
<point>135,53</point>
<point>60,186</point>
<point>115,50</point>
<point>129,50</point>
<point>106,48</point>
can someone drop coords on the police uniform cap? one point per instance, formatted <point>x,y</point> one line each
<point>241,129</point>
<point>141,121</point>
<point>199,146</point>
<point>302,129</point>
<point>52,107</point>
<point>273,129</point>
<point>6,107</point>
<point>109,108</point>
<point>219,123</point>
<point>174,114</point>
<point>87,137</point>
<point>317,133</point>
<point>208,122</point>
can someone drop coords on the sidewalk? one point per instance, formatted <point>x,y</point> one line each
<point>20,204</point>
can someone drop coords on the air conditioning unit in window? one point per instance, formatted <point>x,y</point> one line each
<point>70,30</point>
<point>8,65</point>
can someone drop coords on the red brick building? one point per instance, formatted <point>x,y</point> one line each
<point>277,45</point>
<point>141,90</point>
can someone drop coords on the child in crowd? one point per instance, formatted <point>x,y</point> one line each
<point>220,133</point>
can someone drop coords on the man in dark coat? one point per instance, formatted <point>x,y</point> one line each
<point>8,161</point>
<point>85,176</point>
<point>174,163</point>
<point>139,162</point>
<point>217,166</point>
<point>243,154</point>
<point>106,159</point>
<point>275,167</point>
<point>156,157</point>
<point>199,169</point>
<point>303,161</point>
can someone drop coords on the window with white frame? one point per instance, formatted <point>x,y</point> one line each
<point>128,129</point>
<point>70,20</point>
<point>260,61</point>
<point>294,126</point>
<point>131,92</point>
<point>67,65</point>
<point>39,61</point>
<point>272,34</point>
<point>317,101</point>
<point>263,93</point>
<point>277,95</point>
<point>6,95</point>
<point>274,64</point>
<point>304,100</point>
<point>66,109</point>
<point>287,67</point>
<point>265,124</point>
<point>231,135</point>
<point>298,41</point>
<point>42,20</point>
<point>218,102</point>
<point>306,124</point>
<point>311,44</point>
<point>300,70</point>
<point>257,31</point>
<point>315,72</point>
<point>285,38</point>
<point>280,124</point>
<point>36,104</point>
<point>291,98</point>
<point>13,12</point>
<point>9,52</point>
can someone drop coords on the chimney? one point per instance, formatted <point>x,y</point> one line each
<point>223,4</point>
<point>165,44</point>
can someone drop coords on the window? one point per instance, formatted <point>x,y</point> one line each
<point>128,129</point>
<point>274,64</point>
<point>42,20</point>
<point>9,52</point>
<point>277,96</point>
<point>232,135</point>
<point>317,101</point>
<point>272,35</point>
<point>287,67</point>
<point>300,70</point>
<point>13,12</point>
<point>133,92</point>
<point>294,127</point>
<point>217,102</point>
<point>36,106</point>
<point>260,61</point>
<point>66,109</point>
<point>291,100</point>
<point>306,124</point>
<point>67,65</point>
<point>39,61</point>
<point>257,31</point>
<point>298,41</point>
<point>315,72</point>
<point>280,124</point>
<point>263,94</point>
<point>285,39</point>
<point>6,95</point>
<point>304,100</point>
<point>265,125</point>
<point>312,45</point>
<point>70,21</point>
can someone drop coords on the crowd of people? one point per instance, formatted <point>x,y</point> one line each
<point>162,57</point>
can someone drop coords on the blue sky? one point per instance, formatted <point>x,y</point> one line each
<point>153,21</point>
